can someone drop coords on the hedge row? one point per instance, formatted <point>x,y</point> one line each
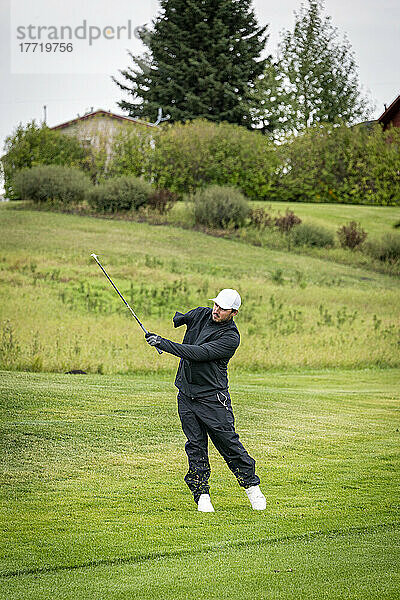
<point>358,165</point>
<point>325,164</point>
<point>215,206</point>
<point>67,185</point>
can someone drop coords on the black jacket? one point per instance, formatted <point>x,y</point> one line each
<point>205,352</point>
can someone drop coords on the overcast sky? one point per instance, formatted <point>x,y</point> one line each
<point>73,81</point>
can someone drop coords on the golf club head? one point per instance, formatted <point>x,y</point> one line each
<point>94,255</point>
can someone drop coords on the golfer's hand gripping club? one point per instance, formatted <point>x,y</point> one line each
<point>152,338</point>
<point>94,256</point>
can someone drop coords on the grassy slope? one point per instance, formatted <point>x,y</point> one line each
<point>63,314</point>
<point>92,483</point>
<point>377,221</point>
<point>92,490</point>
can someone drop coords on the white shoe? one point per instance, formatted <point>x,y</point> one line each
<point>204,504</point>
<point>256,497</point>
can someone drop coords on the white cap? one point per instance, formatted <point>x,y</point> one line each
<point>228,299</point>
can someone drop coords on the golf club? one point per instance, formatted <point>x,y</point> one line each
<point>121,296</point>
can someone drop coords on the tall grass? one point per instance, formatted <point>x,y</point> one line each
<point>58,312</point>
<point>324,219</point>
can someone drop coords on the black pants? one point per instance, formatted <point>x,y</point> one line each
<point>213,417</point>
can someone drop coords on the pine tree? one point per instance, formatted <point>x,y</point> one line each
<point>202,60</point>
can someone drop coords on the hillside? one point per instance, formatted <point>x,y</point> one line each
<point>58,312</point>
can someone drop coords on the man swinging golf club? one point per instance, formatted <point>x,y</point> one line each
<point>204,404</point>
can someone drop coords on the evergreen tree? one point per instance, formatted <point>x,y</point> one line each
<point>315,76</point>
<point>202,59</point>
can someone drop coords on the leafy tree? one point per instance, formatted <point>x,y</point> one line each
<point>202,59</point>
<point>315,76</point>
<point>199,153</point>
<point>268,101</point>
<point>32,145</point>
<point>352,165</point>
<point>131,153</point>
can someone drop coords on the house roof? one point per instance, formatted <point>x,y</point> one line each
<point>390,112</point>
<point>100,112</point>
<point>366,124</point>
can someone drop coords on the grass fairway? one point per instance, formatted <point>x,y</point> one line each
<point>94,506</point>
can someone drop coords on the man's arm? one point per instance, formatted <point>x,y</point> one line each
<point>184,319</point>
<point>225,347</point>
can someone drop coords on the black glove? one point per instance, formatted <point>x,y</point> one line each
<point>153,339</point>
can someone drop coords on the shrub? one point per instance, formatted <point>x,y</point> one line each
<point>260,218</point>
<point>31,145</point>
<point>308,234</point>
<point>286,222</point>
<point>53,183</point>
<point>277,277</point>
<point>200,153</point>
<point>161,200</point>
<point>351,235</point>
<point>119,193</point>
<point>387,249</point>
<point>220,207</point>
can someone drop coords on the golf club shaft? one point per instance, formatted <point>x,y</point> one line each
<point>121,296</point>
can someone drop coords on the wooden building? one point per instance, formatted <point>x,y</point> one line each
<point>391,115</point>
<point>99,128</point>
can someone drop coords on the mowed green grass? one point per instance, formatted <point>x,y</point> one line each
<point>94,504</point>
<point>58,312</point>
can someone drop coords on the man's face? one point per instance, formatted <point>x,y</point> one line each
<point>220,315</point>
